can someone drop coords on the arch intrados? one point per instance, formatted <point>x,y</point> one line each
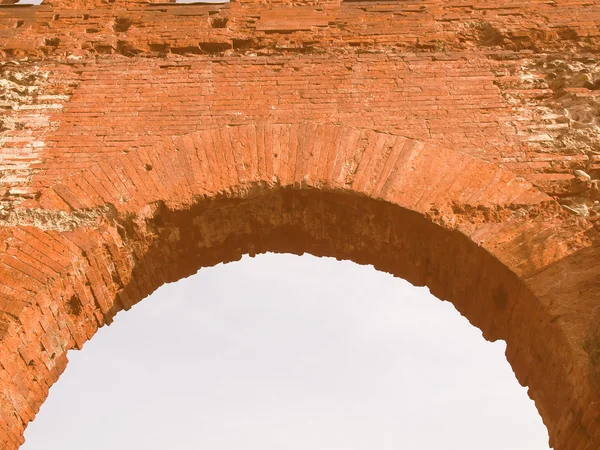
<point>349,227</point>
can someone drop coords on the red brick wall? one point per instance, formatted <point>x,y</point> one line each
<point>453,144</point>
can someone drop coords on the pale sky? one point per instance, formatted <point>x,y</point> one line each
<point>282,352</point>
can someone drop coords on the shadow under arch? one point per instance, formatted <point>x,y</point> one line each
<point>155,215</point>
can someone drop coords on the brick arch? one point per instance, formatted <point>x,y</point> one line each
<point>107,236</point>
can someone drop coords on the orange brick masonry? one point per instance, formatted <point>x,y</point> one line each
<point>455,144</point>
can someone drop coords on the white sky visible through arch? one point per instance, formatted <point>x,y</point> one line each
<point>282,352</point>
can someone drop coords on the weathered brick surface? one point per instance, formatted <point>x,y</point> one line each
<point>454,144</point>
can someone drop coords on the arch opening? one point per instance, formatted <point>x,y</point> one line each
<point>298,351</point>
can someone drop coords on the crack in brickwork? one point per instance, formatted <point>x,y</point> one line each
<point>55,220</point>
